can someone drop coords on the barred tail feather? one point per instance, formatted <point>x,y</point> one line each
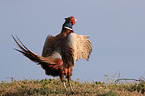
<point>29,54</point>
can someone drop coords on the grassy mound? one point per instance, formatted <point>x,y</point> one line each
<point>53,87</point>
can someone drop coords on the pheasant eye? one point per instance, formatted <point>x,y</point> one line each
<point>73,20</point>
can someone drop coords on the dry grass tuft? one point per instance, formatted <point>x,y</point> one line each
<point>53,87</point>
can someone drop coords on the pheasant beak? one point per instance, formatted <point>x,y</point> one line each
<point>75,19</point>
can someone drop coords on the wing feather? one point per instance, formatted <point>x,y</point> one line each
<point>81,45</point>
<point>47,50</point>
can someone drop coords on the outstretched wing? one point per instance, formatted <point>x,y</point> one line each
<point>47,48</point>
<point>81,46</point>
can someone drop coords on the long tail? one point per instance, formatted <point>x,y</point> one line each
<point>31,55</point>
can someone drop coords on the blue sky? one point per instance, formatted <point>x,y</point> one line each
<point>116,29</point>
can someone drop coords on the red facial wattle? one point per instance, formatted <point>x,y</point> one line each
<point>73,20</point>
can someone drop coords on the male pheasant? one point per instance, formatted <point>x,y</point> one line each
<point>60,52</point>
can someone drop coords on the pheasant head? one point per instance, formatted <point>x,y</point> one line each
<point>69,22</point>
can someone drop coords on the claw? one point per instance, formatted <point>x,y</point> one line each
<point>72,92</point>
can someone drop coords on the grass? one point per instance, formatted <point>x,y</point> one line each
<point>54,87</point>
